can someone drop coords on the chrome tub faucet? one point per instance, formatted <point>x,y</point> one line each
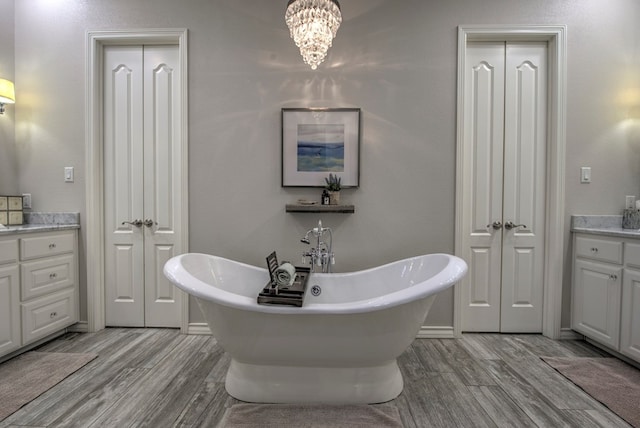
<point>322,254</point>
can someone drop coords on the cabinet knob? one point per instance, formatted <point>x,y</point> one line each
<point>53,315</point>
<point>53,275</point>
<point>594,250</point>
<point>613,277</point>
<point>52,245</point>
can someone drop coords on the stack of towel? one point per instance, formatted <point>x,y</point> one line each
<point>285,275</point>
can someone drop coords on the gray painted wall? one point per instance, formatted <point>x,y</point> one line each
<point>394,59</point>
<point>8,166</point>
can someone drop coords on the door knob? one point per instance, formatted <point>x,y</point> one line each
<point>148,222</point>
<point>136,222</point>
<point>496,225</point>
<point>509,225</point>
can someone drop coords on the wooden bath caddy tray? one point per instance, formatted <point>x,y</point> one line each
<point>293,295</point>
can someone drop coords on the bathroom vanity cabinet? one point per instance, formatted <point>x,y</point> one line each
<point>9,296</point>
<point>38,286</point>
<point>606,290</point>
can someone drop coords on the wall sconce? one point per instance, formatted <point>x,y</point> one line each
<point>7,94</point>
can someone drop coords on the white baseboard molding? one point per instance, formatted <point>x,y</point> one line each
<point>444,332</point>
<point>199,328</point>
<point>79,327</point>
<point>426,332</point>
<point>568,334</point>
<point>435,332</point>
<point>33,345</point>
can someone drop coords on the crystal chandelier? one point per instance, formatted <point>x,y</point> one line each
<point>313,25</point>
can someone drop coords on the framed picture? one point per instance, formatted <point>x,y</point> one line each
<point>320,141</point>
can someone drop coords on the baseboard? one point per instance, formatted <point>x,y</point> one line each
<point>199,328</point>
<point>426,332</point>
<point>79,327</point>
<point>33,345</point>
<point>435,332</point>
<point>568,334</point>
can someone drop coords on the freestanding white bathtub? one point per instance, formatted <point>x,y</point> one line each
<point>339,347</point>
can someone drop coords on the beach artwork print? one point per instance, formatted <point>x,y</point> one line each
<point>321,147</point>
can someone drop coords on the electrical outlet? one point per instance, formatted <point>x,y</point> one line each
<point>26,200</point>
<point>629,202</point>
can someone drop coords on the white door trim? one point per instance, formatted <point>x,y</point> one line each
<point>96,40</point>
<point>556,36</point>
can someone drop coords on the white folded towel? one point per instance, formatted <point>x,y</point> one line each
<point>285,275</point>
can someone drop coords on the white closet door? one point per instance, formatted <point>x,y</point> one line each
<point>524,187</point>
<point>484,127</point>
<point>123,186</point>
<point>142,182</point>
<point>162,183</point>
<point>505,133</point>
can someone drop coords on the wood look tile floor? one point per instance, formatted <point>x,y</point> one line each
<point>160,378</point>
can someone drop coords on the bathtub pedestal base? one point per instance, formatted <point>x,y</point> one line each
<point>294,384</point>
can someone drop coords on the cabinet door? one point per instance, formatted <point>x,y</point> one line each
<point>9,309</point>
<point>596,301</point>
<point>630,321</point>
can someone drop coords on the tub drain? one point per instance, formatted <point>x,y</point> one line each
<point>316,290</point>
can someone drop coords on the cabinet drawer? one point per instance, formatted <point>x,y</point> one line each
<point>46,315</point>
<point>9,251</point>
<point>49,245</point>
<point>47,275</point>
<point>599,249</point>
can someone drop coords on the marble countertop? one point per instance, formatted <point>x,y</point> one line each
<point>609,225</point>
<point>44,222</point>
<point>30,228</point>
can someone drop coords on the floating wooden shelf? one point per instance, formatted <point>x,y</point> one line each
<point>300,208</point>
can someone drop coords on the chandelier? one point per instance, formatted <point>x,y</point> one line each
<point>313,24</point>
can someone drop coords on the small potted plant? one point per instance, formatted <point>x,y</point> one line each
<point>333,187</point>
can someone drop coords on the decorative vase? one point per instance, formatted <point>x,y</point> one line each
<point>334,197</point>
<point>631,219</point>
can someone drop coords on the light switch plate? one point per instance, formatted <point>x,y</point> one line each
<point>68,174</point>
<point>585,174</point>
